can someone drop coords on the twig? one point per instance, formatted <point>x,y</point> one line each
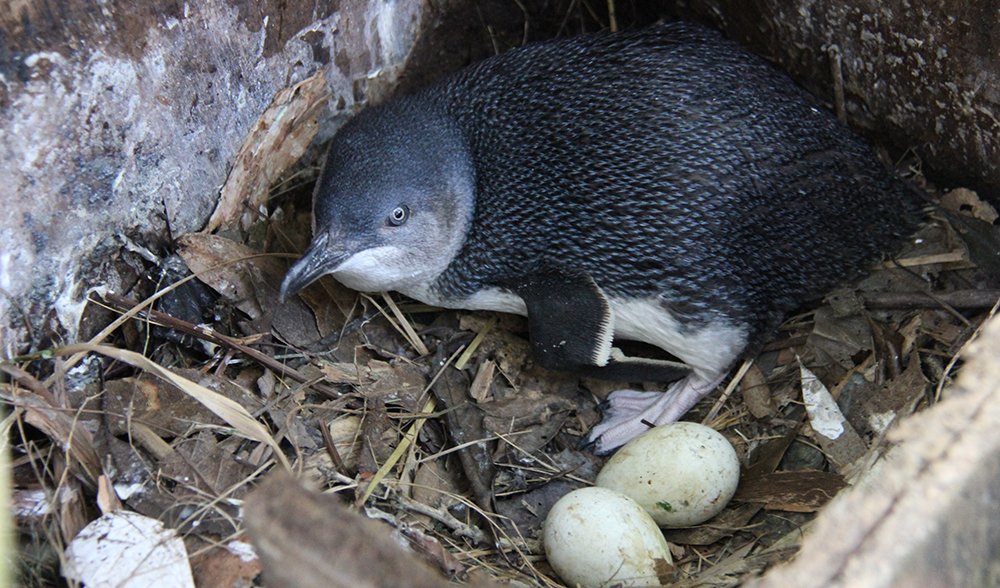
<point>727,392</point>
<point>955,358</point>
<point>331,448</point>
<point>458,528</point>
<point>957,299</point>
<point>411,333</point>
<point>123,304</point>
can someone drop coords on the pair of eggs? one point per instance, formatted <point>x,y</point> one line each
<point>674,475</point>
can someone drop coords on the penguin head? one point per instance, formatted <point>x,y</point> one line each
<point>393,203</point>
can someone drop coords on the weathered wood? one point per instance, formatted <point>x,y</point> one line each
<point>310,539</point>
<point>920,75</point>
<point>120,118</point>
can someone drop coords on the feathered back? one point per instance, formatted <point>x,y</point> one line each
<point>665,161</point>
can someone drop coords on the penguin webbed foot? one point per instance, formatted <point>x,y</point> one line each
<point>629,413</point>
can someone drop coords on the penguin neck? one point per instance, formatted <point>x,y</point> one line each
<point>452,209</point>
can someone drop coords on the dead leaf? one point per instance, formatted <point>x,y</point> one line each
<point>399,382</point>
<point>831,431</point>
<point>205,464</point>
<point>535,417</point>
<point>233,564</point>
<point>768,456</point>
<point>436,486</point>
<point>249,280</point>
<point>330,302</point>
<point>528,509</point>
<point>733,518</point>
<point>727,572</point>
<point>897,399</point>
<point>509,351</point>
<point>799,491</point>
<point>840,337</point>
<point>379,435</point>
<point>155,403</point>
<point>433,551</point>
<point>345,433</point>
<point>229,411</point>
<point>756,393</point>
<point>241,275</point>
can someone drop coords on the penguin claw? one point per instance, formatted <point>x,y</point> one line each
<point>630,413</point>
<point>587,444</point>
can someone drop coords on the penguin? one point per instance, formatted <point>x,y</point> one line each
<point>661,185</point>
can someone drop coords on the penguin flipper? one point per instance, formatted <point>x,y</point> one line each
<point>572,327</point>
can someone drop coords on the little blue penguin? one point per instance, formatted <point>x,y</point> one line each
<point>661,185</point>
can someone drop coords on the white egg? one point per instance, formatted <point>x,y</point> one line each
<point>596,537</point>
<point>682,473</point>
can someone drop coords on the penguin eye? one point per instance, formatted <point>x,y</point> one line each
<point>399,215</point>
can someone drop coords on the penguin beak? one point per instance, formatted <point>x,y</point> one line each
<point>319,260</point>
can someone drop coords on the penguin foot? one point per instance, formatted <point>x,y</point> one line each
<point>629,413</point>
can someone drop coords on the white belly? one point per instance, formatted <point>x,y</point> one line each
<point>709,350</point>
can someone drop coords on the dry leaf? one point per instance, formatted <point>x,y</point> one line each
<point>838,439</point>
<point>249,281</point>
<point>127,550</point>
<point>155,403</point>
<point>897,399</point>
<point>436,486</point>
<point>281,136</point>
<point>756,393</point>
<point>798,491</point>
<point>229,411</point>
<point>233,564</point>
<point>840,337</point>
<point>535,417</point>
<point>242,276</point>
<point>205,464</point>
